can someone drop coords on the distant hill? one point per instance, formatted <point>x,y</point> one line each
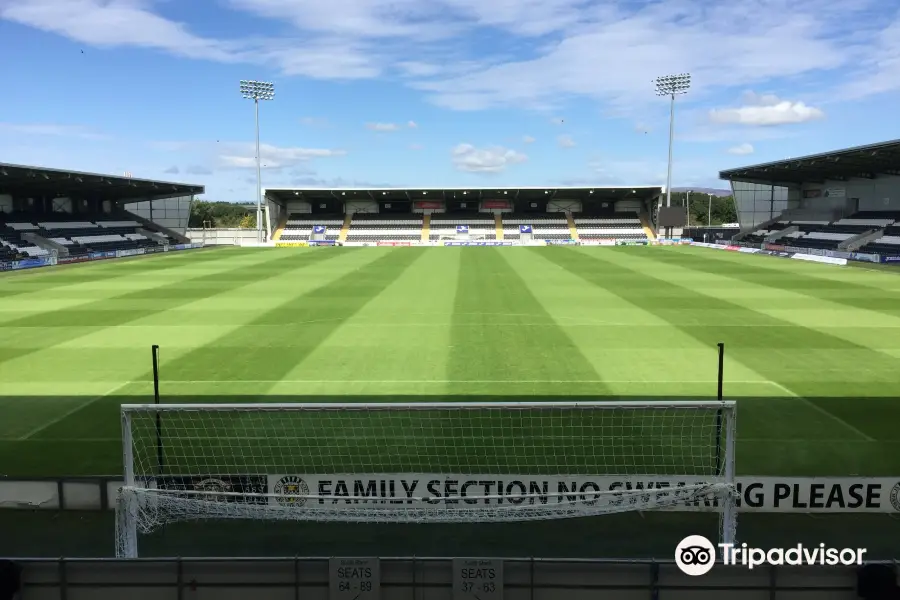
<point>700,190</point>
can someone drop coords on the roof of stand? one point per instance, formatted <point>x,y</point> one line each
<point>861,162</point>
<point>21,180</point>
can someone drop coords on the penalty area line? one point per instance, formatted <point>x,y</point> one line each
<point>71,412</point>
<point>824,412</point>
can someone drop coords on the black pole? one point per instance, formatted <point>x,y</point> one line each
<point>721,346</point>
<point>159,449</point>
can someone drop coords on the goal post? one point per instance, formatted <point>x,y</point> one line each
<point>444,462</point>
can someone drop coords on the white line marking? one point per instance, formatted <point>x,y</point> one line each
<point>459,381</point>
<point>824,412</point>
<point>71,412</point>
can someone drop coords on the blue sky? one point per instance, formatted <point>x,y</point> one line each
<point>440,92</point>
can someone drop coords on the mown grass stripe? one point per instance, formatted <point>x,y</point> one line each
<point>493,295</point>
<point>168,296</point>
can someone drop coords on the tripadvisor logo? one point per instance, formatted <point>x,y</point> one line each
<point>695,555</point>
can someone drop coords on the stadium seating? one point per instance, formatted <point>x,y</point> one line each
<point>388,227</point>
<point>481,225</point>
<point>828,235</point>
<point>621,226</point>
<point>78,234</point>
<point>13,246</point>
<point>544,226</point>
<point>299,226</point>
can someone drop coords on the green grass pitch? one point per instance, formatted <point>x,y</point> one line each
<point>812,350</point>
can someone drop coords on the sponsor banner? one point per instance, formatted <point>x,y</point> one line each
<point>428,205</point>
<point>732,248</point>
<point>64,260</point>
<point>774,247</point>
<point>394,244</point>
<point>812,193</point>
<point>181,246</point>
<point>890,259</point>
<point>131,252</point>
<point>495,204</point>
<point>6,265</point>
<point>634,243</point>
<point>154,249</point>
<point>865,257</point>
<point>598,242</point>
<point>359,244</point>
<point>835,193</point>
<point>478,243</point>
<point>560,242</point>
<point>755,494</point>
<point>31,263</point>
<point>705,245</point>
<point>837,254</point>
<point>323,243</point>
<point>196,245</point>
<point>821,259</point>
<point>749,250</point>
<point>794,250</point>
<point>253,485</point>
<point>292,244</point>
<point>101,255</point>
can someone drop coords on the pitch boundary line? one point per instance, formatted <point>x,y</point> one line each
<point>244,437</point>
<point>825,412</point>
<point>71,412</point>
<point>459,381</point>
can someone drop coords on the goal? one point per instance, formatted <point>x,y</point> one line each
<point>422,462</point>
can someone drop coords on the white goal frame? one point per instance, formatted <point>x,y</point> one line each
<point>136,496</point>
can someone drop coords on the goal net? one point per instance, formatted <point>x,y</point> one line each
<point>422,462</point>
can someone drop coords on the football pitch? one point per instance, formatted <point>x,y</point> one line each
<point>812,351</point>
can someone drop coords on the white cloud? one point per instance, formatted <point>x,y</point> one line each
<point>766,110</point>
<point>557,121</point>
<point>273,157</point>
<point>173,170</point>
<point>741,149</point>
<point>382,126</point>
<point>528,139</point>
<point>566,43</point>
<point>565,141</point>
<point>412,125</point>
<point>49,129</point>
<point>495,159</point>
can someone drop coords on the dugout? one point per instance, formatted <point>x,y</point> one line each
<point>590,201</point>
<point>826,186</point>
<point>42,191</point>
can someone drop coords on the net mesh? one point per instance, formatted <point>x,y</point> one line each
<point>451,462</point>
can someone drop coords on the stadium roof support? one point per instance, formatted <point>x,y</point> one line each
<point>861,162</point>
<point>599,193</point>
<point>39,181</point>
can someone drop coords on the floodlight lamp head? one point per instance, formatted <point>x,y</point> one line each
<point>257,90</point>
<point>671,85</point>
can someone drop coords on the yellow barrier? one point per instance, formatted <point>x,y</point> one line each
<point>292,244</point>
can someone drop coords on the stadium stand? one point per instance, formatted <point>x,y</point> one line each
<point>375,227</point>
<point>545,226</point>
<point>78,234</point>
<point>829,235</point>
<point>13,246</point>
<point>481,225</point>
<point>619,226</point>
<point>299,227</point>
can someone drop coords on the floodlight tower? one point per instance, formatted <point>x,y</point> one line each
<point>256,91</point>
<point>672,85</point>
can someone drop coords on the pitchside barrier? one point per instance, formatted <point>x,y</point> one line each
<point>834,257</point>
<point>369,578</point>
<point>49,261</point>
<point>794,495</point>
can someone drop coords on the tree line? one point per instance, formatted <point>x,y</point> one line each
<point>723,208</point>
<point>221,214</point>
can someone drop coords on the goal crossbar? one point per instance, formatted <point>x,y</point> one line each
<point>438,462</point>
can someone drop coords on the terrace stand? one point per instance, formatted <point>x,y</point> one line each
<point>423,462</point>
